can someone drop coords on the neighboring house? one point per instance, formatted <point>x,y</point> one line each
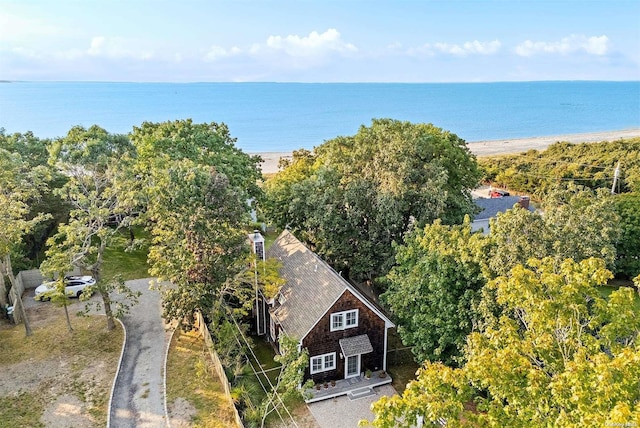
<point>492,206</point>
<point>343,331</point>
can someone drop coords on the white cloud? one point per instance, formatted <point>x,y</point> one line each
<point>314,45</point>
<point>311,45</point>
<point>466,49</point>
<point>286,52</point>
<point>469,48</point>
<point>217,52</point>
<point>116,48</point>
<point>574,43</point>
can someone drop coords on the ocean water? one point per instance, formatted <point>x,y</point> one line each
<point>268,117</point>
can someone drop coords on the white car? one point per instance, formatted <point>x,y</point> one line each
<point>73,287</point>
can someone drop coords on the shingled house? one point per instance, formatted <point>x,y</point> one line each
<point>344,332</point>
<point>492,206</point>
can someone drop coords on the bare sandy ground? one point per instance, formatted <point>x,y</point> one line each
<point>495,147</point>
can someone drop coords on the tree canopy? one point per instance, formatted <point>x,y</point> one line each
<point>353,196</point>
<point>589,164</point>
<point>574,222</point>
<point>194,185</point>
<point>198,239</point>
<point>627,206</point>
<point>561,355</point>
<point>90,159</point>
<point>434,289</point>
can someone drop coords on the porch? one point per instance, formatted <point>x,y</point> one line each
<point>354,387</point>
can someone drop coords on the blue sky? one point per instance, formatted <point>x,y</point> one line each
<point>319,41</point>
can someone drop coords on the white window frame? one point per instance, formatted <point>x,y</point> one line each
<point>323,360</point>
<point>339,320</point>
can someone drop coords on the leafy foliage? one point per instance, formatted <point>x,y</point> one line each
<point>589,164</point>
<point>33,152</point>
<point>434,289</point>
<point>90,158</point>
<point>575,223</point>
<point>19,186</point>
<point>561,355</point>
<point>293,364</point>
<point>198,240</point>
<point>192,184</point>
<point>628,245</point>
<point>353,196</point>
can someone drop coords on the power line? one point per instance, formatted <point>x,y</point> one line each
<point>264,388</point>
<point>276,394</point>
<point>551,161</point>
<point>529,174</point>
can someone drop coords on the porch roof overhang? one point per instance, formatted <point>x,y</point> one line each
<point>355,345</point>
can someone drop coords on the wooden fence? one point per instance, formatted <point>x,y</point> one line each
<point>28,279</point>
<point>217,365</point>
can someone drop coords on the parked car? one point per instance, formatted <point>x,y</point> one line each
<point>73,287</point>
<point>497,193</point>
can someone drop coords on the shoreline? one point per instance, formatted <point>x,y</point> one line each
<point>494,147</point>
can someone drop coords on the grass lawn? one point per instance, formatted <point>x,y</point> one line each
<point>189,359</point>
<point>296,405</point>
<point>130,264</point>
<point>54,369</point>
<point>400,364</point>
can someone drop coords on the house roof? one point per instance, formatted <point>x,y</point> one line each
<point>311,287</point>
<point>492,206</point>
<point>355,345</point>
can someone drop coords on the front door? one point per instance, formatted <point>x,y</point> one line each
<point>353,366</point>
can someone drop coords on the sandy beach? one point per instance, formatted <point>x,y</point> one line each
<point>495,147</point>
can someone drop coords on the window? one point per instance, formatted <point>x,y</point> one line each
<point>337,322</point>
<point>344,320</point>
<point>351,319</point>
<point>323,363</point>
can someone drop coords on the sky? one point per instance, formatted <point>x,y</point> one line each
<point>319,41</point>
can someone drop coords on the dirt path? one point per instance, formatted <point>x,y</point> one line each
<point>138,396</point>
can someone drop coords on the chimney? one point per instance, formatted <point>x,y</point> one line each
<point>257,244</point>
<point>524,202</point>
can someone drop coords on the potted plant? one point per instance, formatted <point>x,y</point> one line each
<point>326,384</point>
<point>333,382</point>
<point>318,386</point>
<point>383,374</point>
<point>367,374</point>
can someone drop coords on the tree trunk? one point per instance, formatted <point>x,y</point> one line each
<point>18,307</point>
<point>66,312</point>
<point>3,288</point>
<point>106,300</point>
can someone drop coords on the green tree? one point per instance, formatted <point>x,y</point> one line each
<point>158,145</point>
<point>628,245</point>
<point>590,164</point>
<point>90,158</point>
<point>353,196</point>
<point>561,355</point>
<point>20,185</point>
<point>193,184</point>
<point>198,240</point>
<point>285,194</point>
<point>293,363</point>
<point>575,223</point>
<point>434,290</point>
<point>33,152</point>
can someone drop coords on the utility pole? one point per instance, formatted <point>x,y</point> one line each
<point>616,176</point>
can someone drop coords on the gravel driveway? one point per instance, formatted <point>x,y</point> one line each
<point>344,413</point>
<point>138,396</point>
